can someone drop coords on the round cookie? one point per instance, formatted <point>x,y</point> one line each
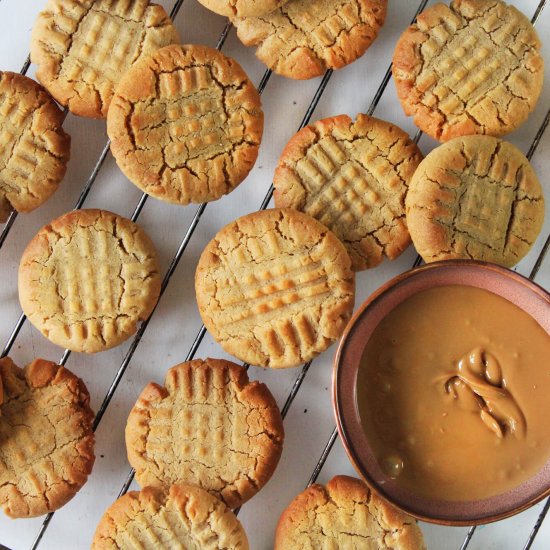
<point>46,437</point>
<point>242,8</point>
<point>473,67</point>
<point>275,288</point>
<point>87,279</point>
<point>345,514</point>
<point>83,47</point>
<point>34,148</point>
<point>475,197</point>
<point>186,124</point>
<point>208,426</point>
<point>183,516</point>
<point>353,177</point>
<point>304,38</point>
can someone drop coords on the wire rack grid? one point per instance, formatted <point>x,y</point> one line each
<point>193,225</point>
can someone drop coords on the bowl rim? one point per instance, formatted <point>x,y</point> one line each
<point>343,423</point>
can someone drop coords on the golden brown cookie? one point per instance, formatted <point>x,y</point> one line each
<point>353,177</point>
<point>475,197</point>
<point>473,67</point>
<point>46,437</point>
<point>87,279</point>
<point>210,427</point>
<point>34,149</point>
<point>275,288</point>
<point>242,8</point>
<point>345,514</point>
<point>186,124</point>
<point>183,516</point>
<point>303,38</point>
<point>83,47</point>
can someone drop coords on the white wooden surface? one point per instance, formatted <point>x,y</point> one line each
<point>176,322</point>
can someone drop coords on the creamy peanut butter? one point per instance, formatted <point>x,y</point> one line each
<point>453,392</point>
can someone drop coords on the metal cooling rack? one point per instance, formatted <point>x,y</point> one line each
<point>8,227</point>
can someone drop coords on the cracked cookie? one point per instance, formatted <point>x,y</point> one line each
<point>183,516</point>
<point>345,514</point>
<point>303,38</point>
<point>208,426</point>
<point>46,437</point>
<point>352,176</point>
<point>475,197</point>
<point>186,124</point>
<point>34,148</point>
<point>275,288</point>
<point>473,67</point>
<point>242,8</point>
<point>87,279</point>
<point>83,47</point>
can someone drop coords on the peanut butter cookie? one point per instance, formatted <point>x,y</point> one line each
<point>242,8</point>
<point>352,176</point>
<point>473,67</point>
<point>87,279</point>
<point>34,148</point>
<point>183,516</point>
<point>275,288</point>
<point>303,38</point>
<point>46,437</point>
<point>345,514</point>
<point>83,47</point>
<point>186,124</point>
<point>475,197</point>
<point>210,427</point>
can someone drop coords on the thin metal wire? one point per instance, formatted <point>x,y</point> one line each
<point>324,455</point>
<point>7,228</point>
<point>535,531</point>
<point>26,65</point>
<point>538,11</point>
<point>468,538</point>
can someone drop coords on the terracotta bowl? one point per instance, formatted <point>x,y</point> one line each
<point>517,289</point>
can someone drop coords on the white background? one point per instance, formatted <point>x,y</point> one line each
<point>176,322</point>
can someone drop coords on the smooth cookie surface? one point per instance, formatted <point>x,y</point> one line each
<point>46,437</point>
<point>208,426</point>
<point>182,517</point>
<point>345,514</point>
<point>186,124</point>
<point>473,67</point>
<point>353,177</point>
<point>275,288</point>
<point>87,279</point>
<point>83,47</point>
<point>475,197</point>
<point>34,148</point>
<point>303,38</point>
<point>242,8</point>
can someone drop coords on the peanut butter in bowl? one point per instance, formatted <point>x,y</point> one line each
<point>453,393</point>
<point>442,392</point>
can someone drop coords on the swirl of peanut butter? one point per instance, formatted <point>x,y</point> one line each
<point>479,384</point>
